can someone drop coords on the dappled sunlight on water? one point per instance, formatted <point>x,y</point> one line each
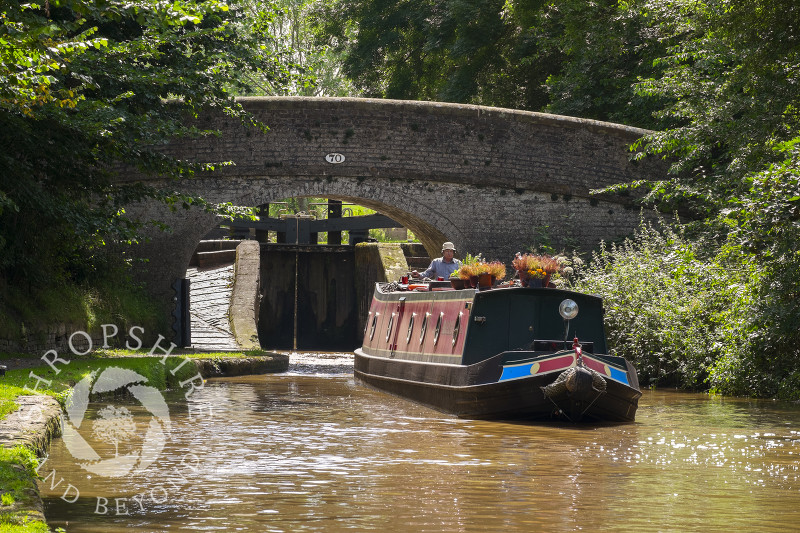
<point>320,363</point>
<point>312,450</point>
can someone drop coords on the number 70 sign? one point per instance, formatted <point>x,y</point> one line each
<point>334,158</point>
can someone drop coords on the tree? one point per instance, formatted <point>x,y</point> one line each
<point>317,67</point>
<point>730,76</point>
<point>114,426</point>
<point>729,79</point>
<point>606,46</point>
<point>90,85</point>
<point>567,56</point>
<point>471,51</point>
<point>767,223</point>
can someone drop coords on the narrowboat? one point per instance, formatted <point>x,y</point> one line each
<point>510,353</point>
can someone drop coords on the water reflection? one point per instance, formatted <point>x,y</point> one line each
<point>311,450</point>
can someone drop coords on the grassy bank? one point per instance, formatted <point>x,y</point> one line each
<point>17,478</point>
<point>60,384</point>
<point>157,374</point>
<point>18,464</point>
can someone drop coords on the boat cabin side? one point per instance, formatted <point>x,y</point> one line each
<point>468,326</point>
<point>419,326</point>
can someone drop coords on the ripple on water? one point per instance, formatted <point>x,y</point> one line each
<point>312,450</point>
<point>320,363</point>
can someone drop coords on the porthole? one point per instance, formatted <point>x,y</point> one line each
<point>372,328</point>
<point>438,329</point>
<point>366,322</point>
<point>410,328</point>
<point>423,328</point>
<point>457,329</point>
<point>389,328</point>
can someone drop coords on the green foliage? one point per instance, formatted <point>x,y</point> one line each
<point>87,86</point>
<point>18,480</point>
<point>605,48</point>
<point>690,313</point>
<point>7,401</point>
<point>766,222</point>
<point>19,455</point>
<point>724,86</point>
<point>543,242</point>
<point>731,74</point>
<point>569,57</point>
<point>671,309</point>
<point>28,310</point>
<point>316,67</point>
<point>158,374</point>
<point>317,207</point>
<point>25,526</point>
<point>296,205</point>
<point>470,259</point>
<point>451,50</point>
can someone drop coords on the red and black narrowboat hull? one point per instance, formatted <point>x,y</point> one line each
<point>526,379</point>
<point>466,392</point>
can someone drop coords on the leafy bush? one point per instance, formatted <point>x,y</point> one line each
<point>672,312</point>
<point>717,312</point>
<point>766,222</point>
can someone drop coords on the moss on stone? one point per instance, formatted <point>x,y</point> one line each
<point>22,507</point>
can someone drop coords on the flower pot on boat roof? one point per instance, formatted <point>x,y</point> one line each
<point>481,274</point>
<point>458,283</point>
<point>535,270</point>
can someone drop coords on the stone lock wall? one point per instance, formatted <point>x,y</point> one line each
<point>55,337</point>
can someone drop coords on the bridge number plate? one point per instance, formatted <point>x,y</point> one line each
<point>334,158</point>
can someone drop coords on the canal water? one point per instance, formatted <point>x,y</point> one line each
<point>311,450</point>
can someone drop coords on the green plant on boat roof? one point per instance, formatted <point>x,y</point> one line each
<point>470,259</point>
<point>547,264</point>
<point>494,268</point>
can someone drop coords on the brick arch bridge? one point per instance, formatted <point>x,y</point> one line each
<point>491,180</point>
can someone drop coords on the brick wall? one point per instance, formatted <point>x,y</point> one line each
<point>56,337</point>
<point>491,180</point>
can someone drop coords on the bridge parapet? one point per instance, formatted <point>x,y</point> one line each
<point>421,141</point>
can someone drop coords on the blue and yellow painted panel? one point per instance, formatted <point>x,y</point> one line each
<point>560,363</point>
